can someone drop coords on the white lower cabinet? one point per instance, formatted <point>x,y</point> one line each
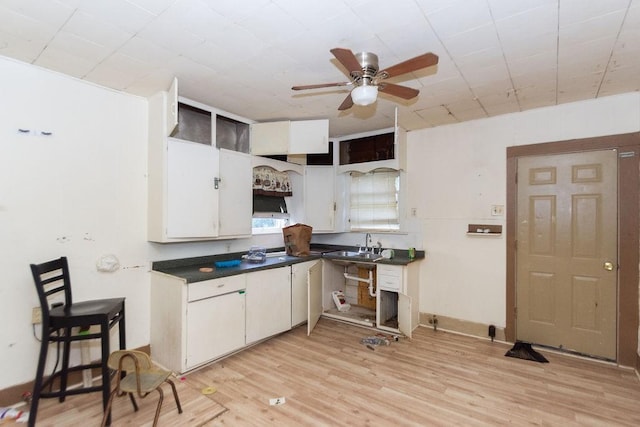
<point>215,327</point>
<point>268,300</point>
<point>194,323</point>
<point>397,298</point>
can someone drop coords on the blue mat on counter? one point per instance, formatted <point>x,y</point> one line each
<point>230,263</point>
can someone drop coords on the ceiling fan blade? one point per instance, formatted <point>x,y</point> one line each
<point>346,104</point>
<point>347,58</point>
<point>413,64</point>
<point>399,91</point>
<point>321,85</point>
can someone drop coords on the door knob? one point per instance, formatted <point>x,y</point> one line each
<point>608,266</point>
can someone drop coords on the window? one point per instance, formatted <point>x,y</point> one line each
<point>374,200</point>
<point>268,225</point>
<point>269,214</point>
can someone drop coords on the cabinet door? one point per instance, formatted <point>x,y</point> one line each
<point>319,198</point>
<point>192,200</point>
<point>215,326</point>
<point>299,292</point>
<point>404,315</point>
<point>269,138</point>
<point>268,303</point>
<point>171,108</point>
<point>309,137</point>
<point>314,292</point>
<point>235,194</point>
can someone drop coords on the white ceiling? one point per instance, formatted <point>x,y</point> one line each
<point>243,56</point>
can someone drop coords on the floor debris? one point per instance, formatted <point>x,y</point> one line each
<point>277,401</point>
<point>374,341</point>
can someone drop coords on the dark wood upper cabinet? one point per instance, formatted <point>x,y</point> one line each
<point>367,149</point>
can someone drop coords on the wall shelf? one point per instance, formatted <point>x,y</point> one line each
<point>484,230</point>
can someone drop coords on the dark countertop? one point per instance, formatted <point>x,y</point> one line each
<point>189,268</point>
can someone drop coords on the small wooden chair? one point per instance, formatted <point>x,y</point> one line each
<point>137,374</point>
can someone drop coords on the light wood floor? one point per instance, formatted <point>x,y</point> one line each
<point>437,378</point>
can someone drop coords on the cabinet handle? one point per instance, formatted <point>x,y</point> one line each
<point>216,182</point>
<point>24,130</point>
<point>221,285</point>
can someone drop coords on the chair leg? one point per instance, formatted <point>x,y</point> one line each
<point>133,402</point>
<point>65,364</point>
<point>122,330</point>
<point>106,417</point>
<point>155,420</point>
<point>175,395</point>
<point>37,386</point>
<point>106,377</point>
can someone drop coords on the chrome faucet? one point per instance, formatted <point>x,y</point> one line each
<point>367,240</point>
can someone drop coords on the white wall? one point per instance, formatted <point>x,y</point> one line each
<point>457,172</point>
<point>80,192</point>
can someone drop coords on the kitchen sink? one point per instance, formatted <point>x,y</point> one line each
<point>368,255</point>
<point>351,257</point>
<point>343,253</point>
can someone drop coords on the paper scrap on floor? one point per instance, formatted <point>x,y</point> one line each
<point>277,401</point>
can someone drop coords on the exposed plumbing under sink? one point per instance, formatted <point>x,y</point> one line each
<point>369,281</point>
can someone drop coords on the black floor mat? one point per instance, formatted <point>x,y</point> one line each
<point>523,350</point>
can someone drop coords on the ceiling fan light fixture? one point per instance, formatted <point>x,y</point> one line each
<point>364,95</point>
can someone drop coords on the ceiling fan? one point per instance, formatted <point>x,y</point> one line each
<point>367,79</point>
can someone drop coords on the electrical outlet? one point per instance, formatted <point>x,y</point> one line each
<point>36,315</point>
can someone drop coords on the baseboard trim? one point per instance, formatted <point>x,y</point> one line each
<point>13,395</point>
<point>460,326</point>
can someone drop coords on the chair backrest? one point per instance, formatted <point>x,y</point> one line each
<point>126,361</point>
<point>51,278</point>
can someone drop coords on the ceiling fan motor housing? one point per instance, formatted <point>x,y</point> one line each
<point>369,64</point>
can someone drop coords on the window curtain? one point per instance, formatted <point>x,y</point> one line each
<point>270,182</point>
<point>374,200</point>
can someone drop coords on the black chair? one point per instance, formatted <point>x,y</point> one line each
<point>61,322</point>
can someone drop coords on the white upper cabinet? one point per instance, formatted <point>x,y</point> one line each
<point>191,196</point>
<point>309,137</point>
<point>319,198</point>
<point>235,193</point>
<point>269,138</point>
<point>290,137</point>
